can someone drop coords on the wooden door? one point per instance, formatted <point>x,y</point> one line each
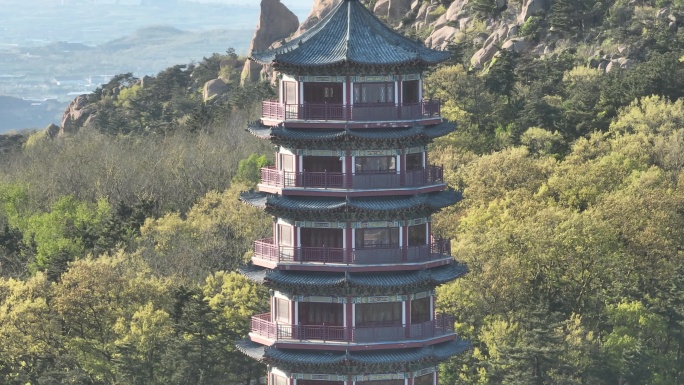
<point>323,101</point>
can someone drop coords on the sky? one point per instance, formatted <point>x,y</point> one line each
<point>300,7</point>
<point>288,3</point>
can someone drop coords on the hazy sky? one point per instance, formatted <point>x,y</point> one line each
<point>298,6</point>
<point>288,3</point>
<point>298,3</point>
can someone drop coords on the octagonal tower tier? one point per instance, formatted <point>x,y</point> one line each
<point>352,263</point>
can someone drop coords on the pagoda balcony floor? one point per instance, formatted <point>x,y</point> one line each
<point>263,330</point>
<point>364,115</point>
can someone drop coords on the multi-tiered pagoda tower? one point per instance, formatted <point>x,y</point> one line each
<point>352,264</point>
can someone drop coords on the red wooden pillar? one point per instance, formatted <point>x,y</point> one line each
<point>410,379</point>
<point>349,322</point>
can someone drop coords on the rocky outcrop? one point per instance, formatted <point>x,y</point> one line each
<point>516,45</point>
<point>76,114</point>
<point>448,27</point>
<point>441,37</point>
<point>622,63</point>
<point>52,131</point>
<point>456,10</point>
<point>213,89</point>
<point>276,22</point>
<point>532,8</point>
<point>453,26</point>
<point>489,48</point>
<point>319,10</point>
<point>392,10</point>
<point>146,81</point>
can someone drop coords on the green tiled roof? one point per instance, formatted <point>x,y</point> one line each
<point>303,207</point>
<point>281,134</point>
<point>350,33</point>
<point>333,360</point>
<point>303,282</point>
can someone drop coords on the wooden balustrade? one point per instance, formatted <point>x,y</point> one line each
<point>273,109</point>
<point>369,180</point>
<point>441,325</point>
<point>266,249</point>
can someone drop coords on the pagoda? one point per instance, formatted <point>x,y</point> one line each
<point>352,265</point>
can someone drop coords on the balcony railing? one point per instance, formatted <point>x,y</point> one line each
<point>367,112</point>
<point>440,326</point>
<point>431,175</point>
<point>266,249</point>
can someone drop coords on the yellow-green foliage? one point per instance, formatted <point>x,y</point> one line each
<point>541,141</point>
<point>214,235</point>
<point>651,116</point>
<point>111,315</point>
<point>36,138</point>
<point>126,95</point>
<point>581,74</point>
<point>57,231</point>
<point>584,230</point>
<point>439,11</point>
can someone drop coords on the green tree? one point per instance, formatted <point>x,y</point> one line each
<point>249,170</point>
<point>635,345</point>
<point>93,297</point>
<point>501,76</point>
<point>582,90</point>
<point>142,343</point>
<point>215,236</point>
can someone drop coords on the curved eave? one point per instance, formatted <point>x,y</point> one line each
<point>418,62</point>
<point>333,361</point>
<point>279,134</point>
<point>302,281</point>
<point>305,206</point>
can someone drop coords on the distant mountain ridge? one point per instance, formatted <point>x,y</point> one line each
<point>19,114</point>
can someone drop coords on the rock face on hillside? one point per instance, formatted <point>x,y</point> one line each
<point>214,88</point>
<point>392,10</point>
<point>52,131</point>
<point>76,115</point>
<point>319,10</point>
<point>532,8</point>
<point>276,22</point>
<point>447,27</point>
